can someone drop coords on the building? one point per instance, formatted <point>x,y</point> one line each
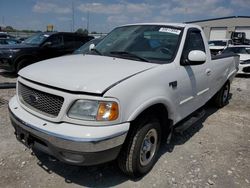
<point>221,28</point>
<point>50,28</point>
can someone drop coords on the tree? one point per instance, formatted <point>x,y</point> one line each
<point>85,31</point>
<point>81,31</point>
<point>9,28</point>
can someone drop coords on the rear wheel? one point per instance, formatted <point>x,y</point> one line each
<point>139,153</point>
<point>222,97</point>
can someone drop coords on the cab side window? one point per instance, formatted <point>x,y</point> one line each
<point>56,41</point>
<point>194,41</point>
<point>69,41</point>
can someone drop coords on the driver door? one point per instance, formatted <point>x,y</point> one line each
<point>52,47</point>
<point>194,79</point>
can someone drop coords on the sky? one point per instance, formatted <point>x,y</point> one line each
<point>105,15</point>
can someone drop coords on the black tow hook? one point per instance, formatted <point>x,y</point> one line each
<point>7,85</point>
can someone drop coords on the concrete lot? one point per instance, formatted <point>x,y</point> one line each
<point>215,152</point>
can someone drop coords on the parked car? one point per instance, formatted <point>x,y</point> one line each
<point>244,52</point>
<point>39,47</point>
<point>217,46</point>
<point>22,38</point>
<point>4,41</point>
<point>123,100</point>
<point>5,35</point>
<point>85,48</point>
<point>239,38</point>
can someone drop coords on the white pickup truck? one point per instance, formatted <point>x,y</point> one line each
<point>123,98</point>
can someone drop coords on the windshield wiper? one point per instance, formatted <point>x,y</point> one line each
<point>129,54</point>
<point>96,51</point>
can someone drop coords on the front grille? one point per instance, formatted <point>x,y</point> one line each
<point>44,103</point>
<point>246,69</point>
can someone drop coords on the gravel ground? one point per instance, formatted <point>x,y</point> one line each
<point>215,152</point>
<point>7,77</point>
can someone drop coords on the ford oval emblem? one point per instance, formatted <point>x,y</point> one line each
<point>33,99</point>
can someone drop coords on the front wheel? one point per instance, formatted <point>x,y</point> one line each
<point>21,64</point>
<point>222,97</point>
<point>139,153</point>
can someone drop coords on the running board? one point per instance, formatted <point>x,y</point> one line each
<point>189,121</point>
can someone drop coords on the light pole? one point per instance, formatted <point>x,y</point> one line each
<point>88,20</point>
<point>73,17</point>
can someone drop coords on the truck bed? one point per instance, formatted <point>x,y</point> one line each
<point>223,55</point>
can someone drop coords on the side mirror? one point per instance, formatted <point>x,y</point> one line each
<point>91,47</point>
<point>47,44</point>
<point>195,57</point>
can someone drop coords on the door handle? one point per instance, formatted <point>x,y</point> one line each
<point>208,72</point>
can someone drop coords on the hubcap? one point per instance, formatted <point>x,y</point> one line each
<point>225,93</point>
<point>148,147</point>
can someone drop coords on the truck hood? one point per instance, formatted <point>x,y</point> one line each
<point>84,73</point>
<point>17,46</point>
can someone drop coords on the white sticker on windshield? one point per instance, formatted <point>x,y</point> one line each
<point>46,35</point>
<point>170,30</point>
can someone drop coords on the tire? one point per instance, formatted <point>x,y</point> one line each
<point>139,152</point>
<point>21,64</point>
<point>222,97</point>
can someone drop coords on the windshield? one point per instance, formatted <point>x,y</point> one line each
<point>157,44</point>
<point>9,41</point>
<point>36,39</point>
<point>217,43</point>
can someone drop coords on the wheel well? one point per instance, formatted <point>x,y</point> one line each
<point>161,113</point>
<point>22,58</point>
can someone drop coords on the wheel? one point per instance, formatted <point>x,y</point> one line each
<point>222,97</point>
<point>139,153</point>
<point>21,64</point>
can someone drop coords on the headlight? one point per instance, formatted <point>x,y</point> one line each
<point>6,51</point>
<point>14,50</point>
<point>94,110</point>
<point>10,50</point>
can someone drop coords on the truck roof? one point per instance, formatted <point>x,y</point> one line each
<point>60,32</point>
<point>164,23</point>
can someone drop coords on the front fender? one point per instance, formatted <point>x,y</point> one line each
<point>150,102</point>
<point>144,90</point>
<point>24,56</point>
